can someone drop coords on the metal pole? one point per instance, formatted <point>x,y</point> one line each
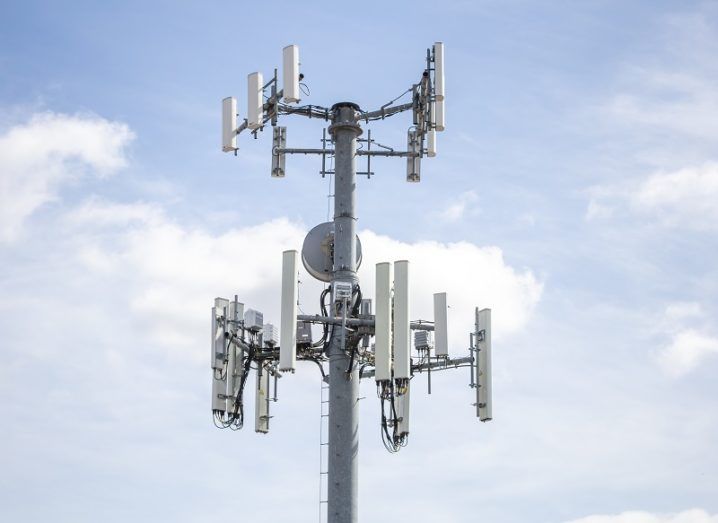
<point>343,449</point>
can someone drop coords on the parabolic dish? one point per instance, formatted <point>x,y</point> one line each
<point>318,250</point>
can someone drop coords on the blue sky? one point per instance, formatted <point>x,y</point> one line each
<point>574,192</point>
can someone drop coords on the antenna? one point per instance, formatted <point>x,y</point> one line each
<point>483,390</point>
<point>332,253</point>
<point>438,119</point>
<point>290,75</point>
<point>402,336</point>
<point>255,104</point>
<point>219,355</point>
<point>261,402</point>
<point>431,143</point>
<point>288,332</point>
<point>382,329</point>
<point>229,124</point>
<point>219,330</point>
<point>441,330</point>
<point>439,71</point>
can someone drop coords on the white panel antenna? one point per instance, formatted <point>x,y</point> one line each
<point>279,160</point>
<point>215,362</point>
<point>229,124</point>
<point>382,344</point>
<point>219,354</point>
<point>438,119</point>
<point>261,402</point>
<point>402,329</point>
<point>413,161</point>
<point>439,71</point>
<point>219,332</point>
<point>255,100</point>
<point>291,73</point>
<point>441,331</point>
<point>236,313</point>
<point>483,389</point>
<point>431,143</point>
<point>288,330</point>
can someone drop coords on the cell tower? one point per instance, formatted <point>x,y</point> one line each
<point>331,253</point>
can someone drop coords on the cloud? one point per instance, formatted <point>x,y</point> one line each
<point>471,275</point>
<point>98,213</point>
<point>683,309</point>
<point>690,339</point>
<point>683,103</point>
<point>665,115</point>
<point>686,351</point>
<point>674,93</point>
<point>455,211</point>
<point>171,273</point>
<point>49,150</point>
<point>688,516</point>
<point>597,210</point>
<point>684,197</point>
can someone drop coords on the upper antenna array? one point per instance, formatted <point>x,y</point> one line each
<point>266,102</point>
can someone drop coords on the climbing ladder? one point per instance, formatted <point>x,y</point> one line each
<point>323,449</point>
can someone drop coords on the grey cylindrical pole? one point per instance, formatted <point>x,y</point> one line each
<point>343,390</point>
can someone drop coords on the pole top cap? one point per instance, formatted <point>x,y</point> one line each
<point>346,104</point>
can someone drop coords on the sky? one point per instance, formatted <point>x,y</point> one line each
<point>575,193</point>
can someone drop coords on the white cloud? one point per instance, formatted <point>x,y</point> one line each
<point>689,339</point>
<point>688,349</point>
<point>683,309</point>
<point>597,210</point>
<point>666,103</point>
<point>681,103</point>
<point>37,157</point>
<point>674,93</point>
<point>465,202</point>
<point>172,273</point>
<point>685,197</point>
<point>471,275</point>
<point>100,213</point>
<point>688,516</point>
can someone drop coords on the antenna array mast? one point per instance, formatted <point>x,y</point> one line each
<point>242,342</point>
